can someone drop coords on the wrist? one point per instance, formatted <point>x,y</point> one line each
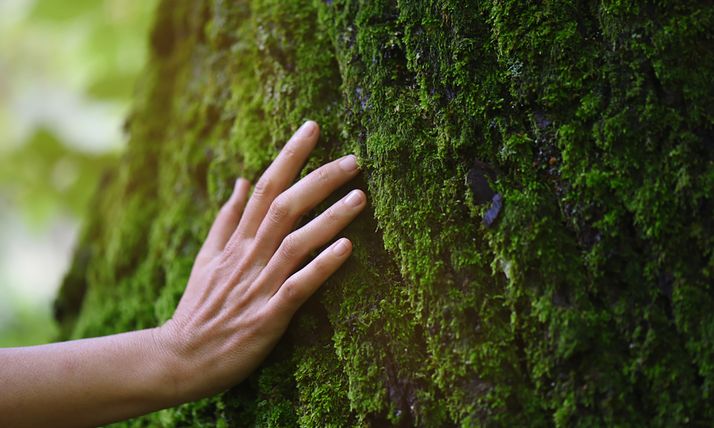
<point>167,371</point>
<point>191,370</point>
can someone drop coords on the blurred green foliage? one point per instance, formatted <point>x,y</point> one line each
<point>67,73</point>
<point>44,177</point>
<point>28,326</point>
<point>114,43</point>
<point>86,54</point>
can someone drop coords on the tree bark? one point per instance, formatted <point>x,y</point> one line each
<point>539,247</point>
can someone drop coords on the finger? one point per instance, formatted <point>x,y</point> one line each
<point>292,204</point>
<point>303,284</point>
<point>318,232</point>
<point>227,219</point>
<point>279,175</point>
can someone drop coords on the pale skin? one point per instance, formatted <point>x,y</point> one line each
<point>244,288</point>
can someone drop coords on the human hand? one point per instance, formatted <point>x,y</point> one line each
<point>244,287</point>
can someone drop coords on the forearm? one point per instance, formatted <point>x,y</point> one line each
<point>85,382</point>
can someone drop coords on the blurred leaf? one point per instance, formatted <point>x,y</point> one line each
<point>57,10</point>
<point>68,54</point>
<point>44,177</point>
<point>117,86</point>
<point>27,326</point>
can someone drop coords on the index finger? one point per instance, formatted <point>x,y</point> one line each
<point>279,175</point>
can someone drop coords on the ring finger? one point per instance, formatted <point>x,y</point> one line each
<point>289,206</point>
<point>318,232</point>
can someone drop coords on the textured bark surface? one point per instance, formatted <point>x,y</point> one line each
<point>587,299</point>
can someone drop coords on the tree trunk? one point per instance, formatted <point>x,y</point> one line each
<point>539,247</point>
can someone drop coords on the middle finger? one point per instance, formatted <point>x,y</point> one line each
<point>305,195</point>
<point>279,175</point>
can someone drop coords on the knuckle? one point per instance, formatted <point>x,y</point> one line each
<point>203,258</point>
<point>263,187</point>
<point>321,267</point>
<point>290,248</point>
<point>322,175</point>
<point>291,291</point>
<point>235,252</point>
<point>227,257</point>
<point>226,204</point>
<point>332,215</point>
<point>228,210</point>
<point>288,151</point>
<point>279,210</point>
<point>224,210</point>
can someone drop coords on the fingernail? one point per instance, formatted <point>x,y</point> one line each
<point>349,163</point>
<point>341,247</point>
<point>307,129</point>
<point>354,199</point>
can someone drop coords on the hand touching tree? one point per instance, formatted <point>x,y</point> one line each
<point>243,290</point>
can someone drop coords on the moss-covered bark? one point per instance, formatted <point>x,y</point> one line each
<point>589,301</point>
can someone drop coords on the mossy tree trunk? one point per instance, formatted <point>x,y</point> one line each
<point>587,299</point>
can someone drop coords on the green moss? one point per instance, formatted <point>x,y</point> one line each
<point>587,303</point>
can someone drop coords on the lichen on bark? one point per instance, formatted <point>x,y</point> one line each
<point>587,302</point>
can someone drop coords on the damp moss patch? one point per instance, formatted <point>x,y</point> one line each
<point>588,301</point>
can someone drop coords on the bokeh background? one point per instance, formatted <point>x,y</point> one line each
<point>67,72</point>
